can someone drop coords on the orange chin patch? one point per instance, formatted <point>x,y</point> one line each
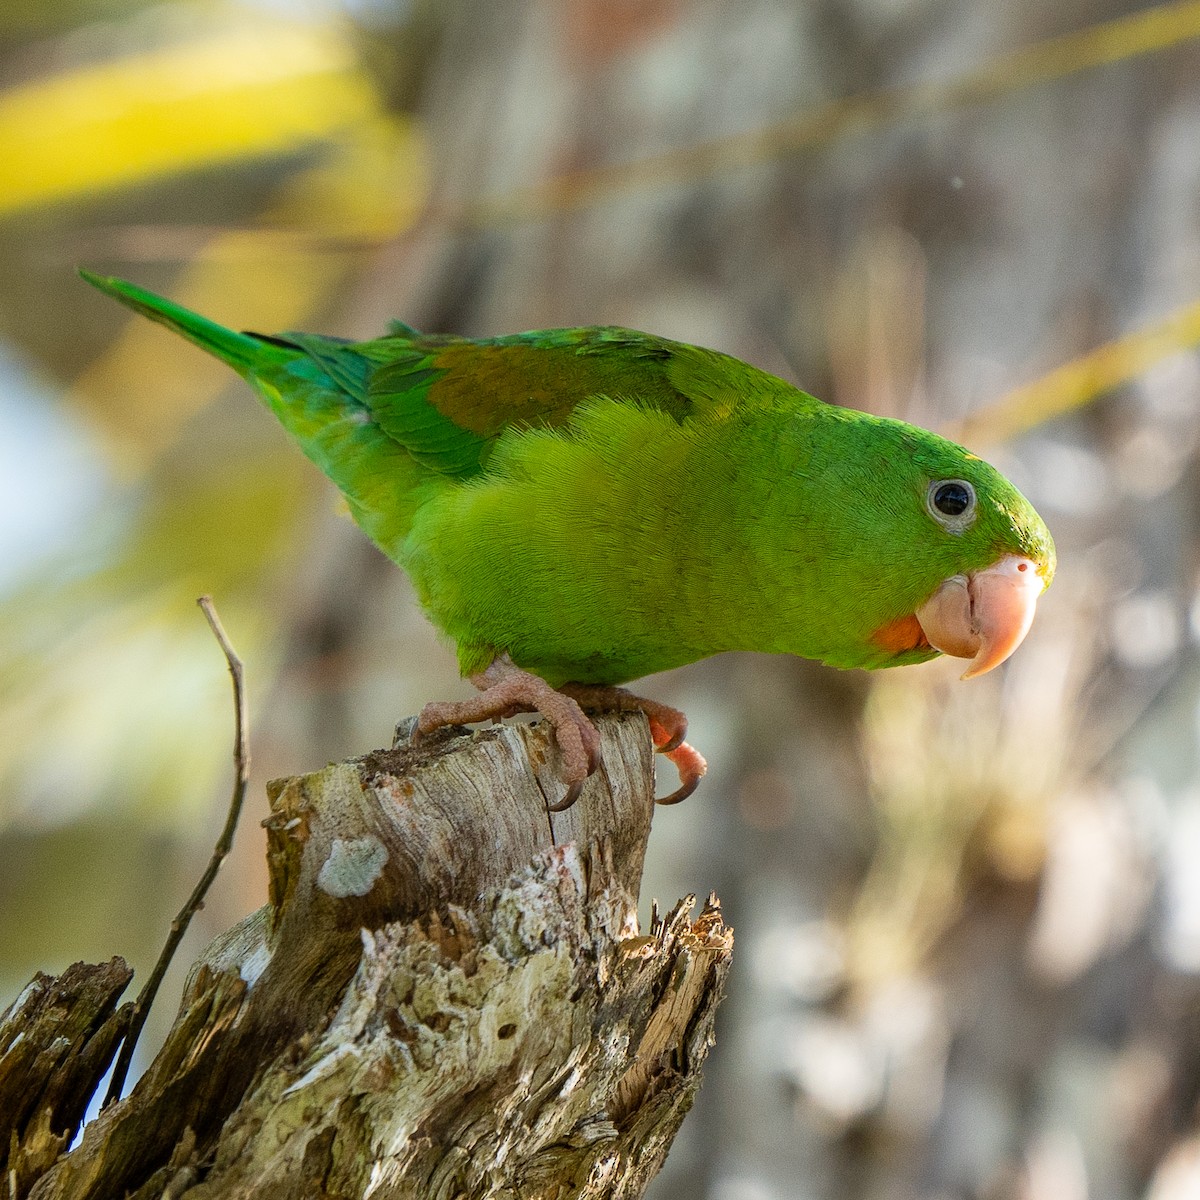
<point>904,633</point>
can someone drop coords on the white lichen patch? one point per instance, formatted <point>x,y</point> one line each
<point>255,963</point>
<point>353,866</point>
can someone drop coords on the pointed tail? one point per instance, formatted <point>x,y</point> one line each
<point>243,352</point>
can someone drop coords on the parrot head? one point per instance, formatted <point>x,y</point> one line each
<point>933,551</point>
<point>974,554</point>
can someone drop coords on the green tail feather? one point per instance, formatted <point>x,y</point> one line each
<point>318,399</point>
<point>243,352</point>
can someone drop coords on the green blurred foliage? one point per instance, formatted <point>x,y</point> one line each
<point>23,20</point>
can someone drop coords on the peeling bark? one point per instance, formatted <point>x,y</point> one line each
<point>446,996</point>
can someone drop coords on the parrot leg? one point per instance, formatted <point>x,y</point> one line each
<point>505,690</point>
<point>668,728</point>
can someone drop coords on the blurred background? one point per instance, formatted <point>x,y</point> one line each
<point>968,915</point>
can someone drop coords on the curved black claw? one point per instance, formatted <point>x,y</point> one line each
<point>682,792</point>
<point>572,794</point>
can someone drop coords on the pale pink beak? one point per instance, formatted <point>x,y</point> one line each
<point>984,616</point>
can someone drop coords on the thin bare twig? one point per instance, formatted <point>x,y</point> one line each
<point>241,761</point>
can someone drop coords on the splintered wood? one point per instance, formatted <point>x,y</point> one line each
<point>447,997</point>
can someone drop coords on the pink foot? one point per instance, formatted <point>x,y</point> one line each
<point>668,728</point>
<point>505,690</point>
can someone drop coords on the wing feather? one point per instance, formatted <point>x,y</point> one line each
<point>447,399</point>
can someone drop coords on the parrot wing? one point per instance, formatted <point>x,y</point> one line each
<point>447,399</point>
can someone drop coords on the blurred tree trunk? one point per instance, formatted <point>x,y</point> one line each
<point>446,996</point>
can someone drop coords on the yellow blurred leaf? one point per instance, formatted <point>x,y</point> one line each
<point>252,90</point>
<point>370,184</point>
<point>1083,379</point>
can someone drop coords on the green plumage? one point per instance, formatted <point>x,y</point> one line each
<point>601,504</point>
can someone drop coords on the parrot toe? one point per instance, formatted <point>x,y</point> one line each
<point>506,690</point>
<point>691,766</point>
<point>668,728</point>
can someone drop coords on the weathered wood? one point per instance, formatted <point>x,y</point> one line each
<point>447,996</point>
<point>56,1042</point>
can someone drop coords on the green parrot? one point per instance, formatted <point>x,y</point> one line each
<point>577,508</point>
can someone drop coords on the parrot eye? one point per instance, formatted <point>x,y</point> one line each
<point>951,502</point>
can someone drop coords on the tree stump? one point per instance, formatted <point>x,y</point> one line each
<point>447,996</point>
